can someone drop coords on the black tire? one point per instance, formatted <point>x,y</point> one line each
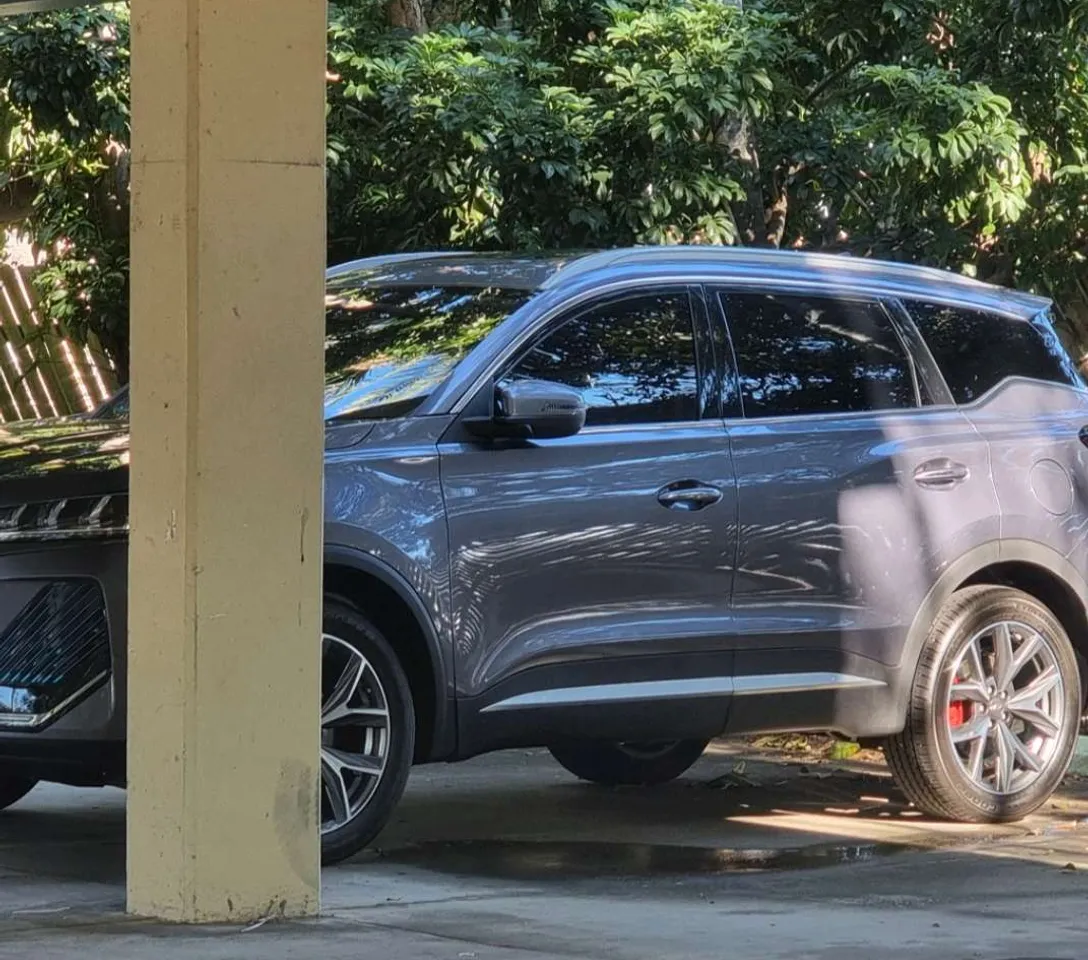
<point>628,764</point>
<point>13,789</point>
<point>351,628</point>
<point>925,763</point>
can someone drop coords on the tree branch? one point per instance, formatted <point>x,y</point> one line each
<point>830,78</point>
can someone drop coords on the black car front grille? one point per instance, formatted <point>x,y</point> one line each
<point>53,651</point>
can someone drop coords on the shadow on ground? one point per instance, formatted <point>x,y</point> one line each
<point>518,815</point>
<point>733,812</point>
<point>507,856</point>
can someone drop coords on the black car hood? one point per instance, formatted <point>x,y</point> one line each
<point>84,457</point>
<point>71,457</point>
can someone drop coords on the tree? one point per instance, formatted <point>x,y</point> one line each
<point>64,162</point>
<point>636,107</point>
<point>952,133</point>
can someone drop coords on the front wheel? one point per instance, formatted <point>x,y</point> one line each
<point>628,764</point>
<point>367,732</point>
<point>994,711</point>
<point>13,789</point>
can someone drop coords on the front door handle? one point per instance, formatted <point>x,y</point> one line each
<point>688,495</point>
<point>940,474</point>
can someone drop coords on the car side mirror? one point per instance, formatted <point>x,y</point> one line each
<point>532,410</point>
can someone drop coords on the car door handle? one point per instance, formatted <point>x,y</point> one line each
<point>940,474</point>
<point>688,495</point>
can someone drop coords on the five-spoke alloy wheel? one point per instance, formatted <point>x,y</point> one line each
<point>367,732</point>
<point>994,710</point>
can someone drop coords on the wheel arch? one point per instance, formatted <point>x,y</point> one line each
<point>386,596</point>
<point>1032,567</point>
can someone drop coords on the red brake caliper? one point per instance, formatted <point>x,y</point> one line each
<point>957,711</point>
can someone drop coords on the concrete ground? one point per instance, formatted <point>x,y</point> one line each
<point>508,858</point>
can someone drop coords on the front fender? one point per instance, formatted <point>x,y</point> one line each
<point>362,562</point>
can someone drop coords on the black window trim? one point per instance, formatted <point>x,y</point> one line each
<point>930,376</point>
<point>705,360</point>
<point>730,404</point>
<point>715,292</point>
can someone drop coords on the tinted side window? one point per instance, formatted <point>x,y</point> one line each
<point>634,359</point>
<point>977,350</point>
<point>810,355</point>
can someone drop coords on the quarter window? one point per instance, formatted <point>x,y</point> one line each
<point>976,351</point>
<point>813,355</point>
<point>634,359</point>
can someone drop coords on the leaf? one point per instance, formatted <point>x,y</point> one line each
<point>844,750</point>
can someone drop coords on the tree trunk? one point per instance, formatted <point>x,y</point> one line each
<point>737,139</point>
<point>778,210</point>
<point>407,15</point>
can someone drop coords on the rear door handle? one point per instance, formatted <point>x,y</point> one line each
<point>940,474</point>
<point>688,495</point>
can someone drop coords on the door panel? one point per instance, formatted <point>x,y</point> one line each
<point>592,574</point>
<point>562,550</point>
<point>851,498</point>
<point>844,526</point>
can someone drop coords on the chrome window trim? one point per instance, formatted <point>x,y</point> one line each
<point>707,426</point>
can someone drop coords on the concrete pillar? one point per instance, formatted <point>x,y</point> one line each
<point>228,257</point>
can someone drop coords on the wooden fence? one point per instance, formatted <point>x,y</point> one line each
<point>43,372</point>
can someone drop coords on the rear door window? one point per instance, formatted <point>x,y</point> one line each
<point>806,355</point>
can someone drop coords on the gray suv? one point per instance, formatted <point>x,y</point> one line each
<point>618,504</point>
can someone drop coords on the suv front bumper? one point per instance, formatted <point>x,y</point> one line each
<point>62,660</point>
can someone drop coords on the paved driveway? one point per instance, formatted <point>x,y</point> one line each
<point>506,857</point>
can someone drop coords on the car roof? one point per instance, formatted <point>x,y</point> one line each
<point>554,270</point>
<point>515,271</point>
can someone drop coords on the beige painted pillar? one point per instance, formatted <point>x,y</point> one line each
<point>228,256</point>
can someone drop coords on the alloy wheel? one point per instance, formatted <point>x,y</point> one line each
<point>1006,708</point>
<point>355,733</point>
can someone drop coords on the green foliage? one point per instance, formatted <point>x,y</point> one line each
<point>470,142</point>
<point>64,80</point>
<point>953,133</point>
<point>895,128</point>
<point>470,136</point>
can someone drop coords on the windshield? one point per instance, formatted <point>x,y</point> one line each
<point>387,348</point>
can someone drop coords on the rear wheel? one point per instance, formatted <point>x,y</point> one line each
<point>628,764</point>
<point>994,712</point>
<point>367,732</point>
<point>13,789</point>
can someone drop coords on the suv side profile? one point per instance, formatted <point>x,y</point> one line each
<point>619,504</point>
